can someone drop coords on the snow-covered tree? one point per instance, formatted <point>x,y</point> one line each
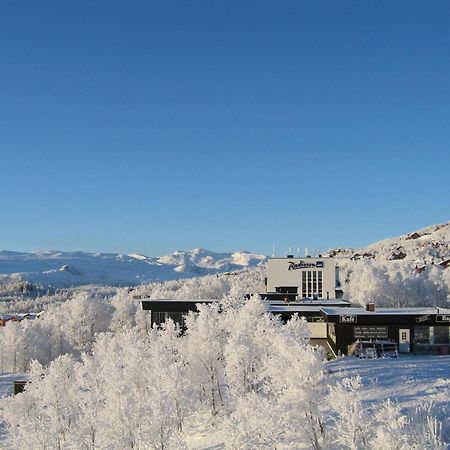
<point>352,428</point>
<point>124,316</point>
<point>204,345</point>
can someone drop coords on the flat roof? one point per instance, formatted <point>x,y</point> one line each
<point>8,316</point>
<point>318,301</point>
<point>308,303</point>
<point>294,308</point>
<point>415,311</point>
<point>180,300</point>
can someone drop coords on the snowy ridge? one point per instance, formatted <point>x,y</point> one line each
<point>66,269</point>
<point>409,270</point>
<point>426,246</point>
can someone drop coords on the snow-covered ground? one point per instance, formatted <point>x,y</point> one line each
<point>408,380</point>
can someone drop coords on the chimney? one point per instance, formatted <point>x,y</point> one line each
<point>370,306</point>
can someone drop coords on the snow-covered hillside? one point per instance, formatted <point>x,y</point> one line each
<point>429,245</point>
<point>412,269</point>
<point>65,269</point>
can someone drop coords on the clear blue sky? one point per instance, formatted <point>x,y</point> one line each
<point>159,125</point>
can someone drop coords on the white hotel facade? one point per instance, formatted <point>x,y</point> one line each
<point>303,278</point>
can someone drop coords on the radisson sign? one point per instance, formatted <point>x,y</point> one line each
<point>305,265</point>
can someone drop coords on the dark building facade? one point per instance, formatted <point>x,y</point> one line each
<point>415,330</point>
<point>162,310</point>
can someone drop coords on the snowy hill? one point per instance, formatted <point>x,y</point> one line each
<point>429,245</point>
<point>65,269</point>
<point>409,270</point>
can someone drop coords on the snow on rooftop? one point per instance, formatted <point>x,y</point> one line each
<point>295,308</point>
<point>385,311</point>
<point>181,300</point>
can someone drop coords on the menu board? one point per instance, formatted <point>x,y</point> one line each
<point>370,332</point>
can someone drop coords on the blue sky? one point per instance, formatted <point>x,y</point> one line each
<point>153,126</point>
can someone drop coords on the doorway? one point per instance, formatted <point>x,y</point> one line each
<point>404,339</point>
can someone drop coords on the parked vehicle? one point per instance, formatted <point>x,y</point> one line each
<point>374,349</point>
<point>388,349</point>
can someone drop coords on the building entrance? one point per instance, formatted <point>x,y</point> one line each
<point>404,339</point>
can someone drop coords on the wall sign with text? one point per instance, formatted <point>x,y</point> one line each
<point>370,332</point>
<point>443,318</point>
<point>305,265</point>
<point>348,318</point>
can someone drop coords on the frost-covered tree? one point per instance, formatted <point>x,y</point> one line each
<point>204,345</point>
<point>249,330</point>
<point>275,382</point>
<point>390,432</point>
<point>85,316</point>
<point>139,391</point>
<point>14,343</point>
<point>352,428</point>
<point>45,416</point>
<point>125,307</point>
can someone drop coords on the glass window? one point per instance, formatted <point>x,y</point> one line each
<point>177,317</point>
<point>158,317</point>
<point>310,286</point>
<point>441,335</point>
<point>304,292</point>
<point>422,335</point>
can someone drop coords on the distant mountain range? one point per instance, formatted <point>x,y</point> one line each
<point>66,269</point>
<point>417,249</point>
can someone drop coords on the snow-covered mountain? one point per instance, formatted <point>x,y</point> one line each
<point>409,270</point>
<point>65,269</point>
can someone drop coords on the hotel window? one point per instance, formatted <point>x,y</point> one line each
<point>319,284</point>
<point>304,292</point>
<point>309,284</point>
<point>314,274</point>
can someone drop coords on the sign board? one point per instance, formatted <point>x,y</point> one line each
<point>348,318</point>
<point>370,332</point>
<point>424,318</point>
<point>443,318</point>
<point>305,265</point>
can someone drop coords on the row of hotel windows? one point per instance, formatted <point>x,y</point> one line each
<point>311,283</point>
